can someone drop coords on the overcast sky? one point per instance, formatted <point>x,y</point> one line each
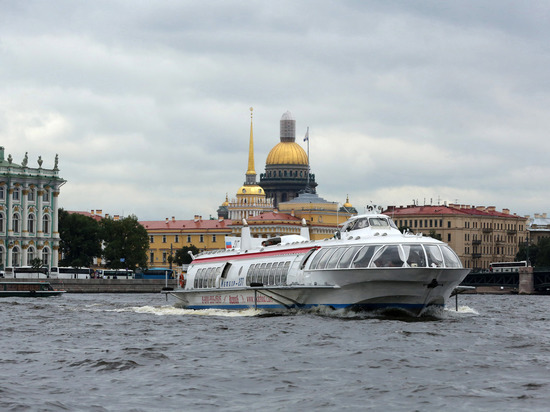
<point>147,103</point>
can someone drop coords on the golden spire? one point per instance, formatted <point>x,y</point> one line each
<point>251,170</point>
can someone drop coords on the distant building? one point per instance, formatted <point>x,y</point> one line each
<point>479,235</point>
<point>250,198</point>
<point>166,236</point>
<point>28,212</point>
<point>287,166</point>
<point>538,227</point>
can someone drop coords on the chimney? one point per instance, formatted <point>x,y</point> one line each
<point>506,211</point>
<point>292,212</point>
<point>196,218</point>
<point>173,218</point>
<point>166,220</point>
<point>106,215</point>
<point>491,208</point>
<point>100,212</point>
<point>92,212</point>
<point>116,217</point>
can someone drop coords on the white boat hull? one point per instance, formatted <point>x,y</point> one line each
<point>410,289</point>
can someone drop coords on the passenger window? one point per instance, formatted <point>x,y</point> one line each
<point>331,264</point>
<point>387,256</point>
<point>285,273</point>
<point>414,255</point>
<point>263,275</point>
<point>271,276</point>
<point>435,259</point>
<point>323,261</point>
<point>364,256</point>
<point>451,260</point>
<point>317,257</point>
<point>348,256</point>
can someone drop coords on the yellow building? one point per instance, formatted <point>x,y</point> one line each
<point>479,235</point>
<point>165,237</point>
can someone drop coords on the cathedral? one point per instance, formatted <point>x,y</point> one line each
<point>285,195</point>
<point>287,171</point>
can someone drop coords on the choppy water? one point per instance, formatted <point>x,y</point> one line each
<point>137,352</point>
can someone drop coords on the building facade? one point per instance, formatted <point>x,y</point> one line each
<point>166,236</point>
<point>538,227</point>
<point>28,212</point>
<point>479,235</point>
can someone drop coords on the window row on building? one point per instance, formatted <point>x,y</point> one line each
<point>176,238</point>
<point>31,228</point>
<point>18,193</point>
<point>18,256</point>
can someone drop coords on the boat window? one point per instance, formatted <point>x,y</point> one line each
<point>277,269</point>
<point>378,222</point>
<point>200,274</point>
<point>348,256</point>
<point>451,260</point>
<point>306,257</point>
<point>285,273</point>
<point>435,259</point>
<point>387,256</point>
<point>331,264</point>
<point>414,255</point>
<point>263,275</point>
<point>364,256</point>
<point>270,274</point>
<point>323,261</point>
<point>209,274</point>
<point>317,257</point>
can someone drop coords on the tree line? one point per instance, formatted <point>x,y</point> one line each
<point>122,243</point>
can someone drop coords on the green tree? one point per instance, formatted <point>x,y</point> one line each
<point>543,255</point>
<point>80,239</point>
<point>182,256</point>
<point>126,243</point>
<point>36,263</point>
<point>533,254</point>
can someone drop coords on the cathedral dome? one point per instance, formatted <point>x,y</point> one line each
<point>287,153</point>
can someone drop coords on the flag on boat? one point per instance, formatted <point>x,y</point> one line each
<point>307,135</point>
<point>228,244</point>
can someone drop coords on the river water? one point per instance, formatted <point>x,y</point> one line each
<point>113,352</point>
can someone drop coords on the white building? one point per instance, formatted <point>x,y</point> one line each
<point>28,212</point>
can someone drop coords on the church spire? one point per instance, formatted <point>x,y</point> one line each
<point>251,173</point>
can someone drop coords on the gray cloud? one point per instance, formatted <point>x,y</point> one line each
<point>147,103</point>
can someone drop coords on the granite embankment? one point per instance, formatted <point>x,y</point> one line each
<point>105,285</point>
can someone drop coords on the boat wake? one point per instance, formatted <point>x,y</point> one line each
<point>169,310</point>
<point>431,313</point>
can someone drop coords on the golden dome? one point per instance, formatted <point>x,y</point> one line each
<point>287,153</point>
<point>250,190</point>
<point>347,204</point>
